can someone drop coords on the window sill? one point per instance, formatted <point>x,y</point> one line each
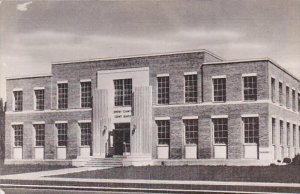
<point>85,146</point>
<point>17,146</point>
<point>220,144</point>
<point>219,101</point>
<point>162,145</point>
<point>250,144</point>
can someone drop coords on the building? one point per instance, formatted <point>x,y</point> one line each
<point>180,108</point>
<point>2,130</point>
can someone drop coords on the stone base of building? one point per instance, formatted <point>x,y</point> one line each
<point>212,162</point>
<point>138,160</point>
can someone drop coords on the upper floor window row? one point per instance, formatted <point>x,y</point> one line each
<point>123,92</point>
<point>290,95</point>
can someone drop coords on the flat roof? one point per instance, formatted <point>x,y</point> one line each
<point>139,56</point>
<point>253,60</point>
<point>28,76</point>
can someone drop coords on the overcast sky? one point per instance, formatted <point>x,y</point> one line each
<point>33,34</point>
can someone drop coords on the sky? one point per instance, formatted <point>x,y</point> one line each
<point>34,34</point>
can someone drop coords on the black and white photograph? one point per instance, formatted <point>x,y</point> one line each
<point>149,96</point>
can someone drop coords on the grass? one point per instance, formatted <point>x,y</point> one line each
<point>284,174</point>
<point>25,168</point>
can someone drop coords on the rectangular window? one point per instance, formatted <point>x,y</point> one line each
<point>250,88</point>
<point>220,126</point>
<point>123,92</point>
<point>163,90</point>
<point>39,99</point>
<point>191,131</point>
<point>273,89</point>
<point>86,94</point>
<point>294,135</point>
<point>288,134</point>
<point>18,100</point>
<point>298,102</point>
<point>294,100</point>
<point>219,88</point>
<point>251,129</point>
<point>163,127</point>
<point>280,94</point>
<point>39,134</point>
<point>273,130</point>
<point>190,88</point>
<point>281,132</point>
<point>287,100</point>
<point>62,92</point>
<point>62,133</point>
<point>18,130</point>
<point>86,134</point>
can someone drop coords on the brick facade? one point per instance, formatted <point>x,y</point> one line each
<point>176,65</point>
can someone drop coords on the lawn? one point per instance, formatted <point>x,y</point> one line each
<point>285,174</point>
<point>17,169</point>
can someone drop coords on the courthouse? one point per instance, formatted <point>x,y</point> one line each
<point>180,108</point>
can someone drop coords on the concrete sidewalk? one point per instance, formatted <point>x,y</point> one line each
<point>42,179</point>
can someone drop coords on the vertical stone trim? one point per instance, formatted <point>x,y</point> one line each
<point>141,127</point>
<point>101,122</point>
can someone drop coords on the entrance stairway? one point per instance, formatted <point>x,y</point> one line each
<point>105,162</point>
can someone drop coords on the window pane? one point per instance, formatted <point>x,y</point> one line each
<point>62,91</point>
<point>251,129</point>
<point>86,134</point>
<point>86,94</point>
<point>18,129</point>
<point>163,90</point>
<point>219,87</point>
<point>62,134</point>
<point>123,92</point>
<point>190,88</point>
<point>220,130</point>
<point>191,131</point>
<point>39,99</point>
<point>39,134</point>
<point>250,88</point>
<point>163,132</point>
<point>18,97</point>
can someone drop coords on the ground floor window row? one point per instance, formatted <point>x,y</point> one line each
<point>219,128</point>
<point>286,133</point>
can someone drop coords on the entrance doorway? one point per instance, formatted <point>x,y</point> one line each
<point>121,139</point>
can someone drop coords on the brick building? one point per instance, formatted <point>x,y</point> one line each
<point>180,108</point>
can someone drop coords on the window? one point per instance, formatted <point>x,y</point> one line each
<point>86,134</point>
<point>273,130</point>
<point>62,133</point>
<point>191,131</point>
<point>190,88</point>
<point>250,88</point>
<point>280,94</point>
<point>39,99</point>
<point>163,90</point>
<point>251,129</point>
<point>220,126</point>
<point>298,102</point>
<point>219,88</point>
<point>288,134</point>
<point>39,134</point>
<point>18,129</point>
<point>281,132</point>
<point>18,100</point>
<point>123,92</point>
<point>62,91</point>
<point>273,89</point>
<point>294,135</point>
<point>163,131</point>
<point>287,97</point>
<point>293,100</point>
<point>86,94</point>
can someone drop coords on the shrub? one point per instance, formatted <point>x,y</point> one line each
<point>296,160</point>
<point>286,160</point>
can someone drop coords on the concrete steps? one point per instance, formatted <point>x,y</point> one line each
<point>104,162</point>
